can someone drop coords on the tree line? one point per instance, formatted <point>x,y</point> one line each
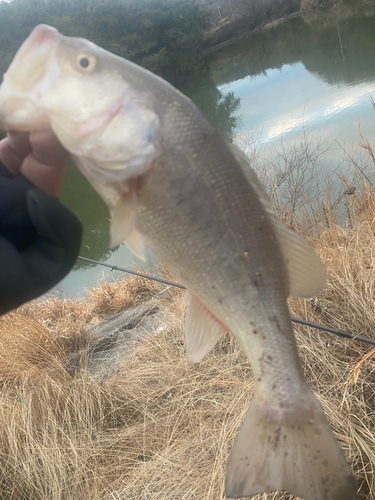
<point>164,36</point>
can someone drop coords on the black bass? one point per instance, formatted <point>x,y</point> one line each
<point>171,182</point>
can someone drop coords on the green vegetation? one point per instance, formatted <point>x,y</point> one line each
<point>165,36</point>
<point>161,35</point>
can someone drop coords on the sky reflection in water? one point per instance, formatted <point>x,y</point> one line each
<point>278,103</point>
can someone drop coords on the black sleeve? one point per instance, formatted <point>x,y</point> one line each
<point>15,222</point>
<point>39,241</point>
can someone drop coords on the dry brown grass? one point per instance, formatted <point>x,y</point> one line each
<point>161,427</point>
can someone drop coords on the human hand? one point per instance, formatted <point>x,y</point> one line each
<point>39,237</point>
<point>38,156</point>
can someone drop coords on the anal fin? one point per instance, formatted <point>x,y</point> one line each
<point>202,330</point>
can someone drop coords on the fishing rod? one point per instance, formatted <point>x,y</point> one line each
<point>136,273</point>
<point>335,331</point>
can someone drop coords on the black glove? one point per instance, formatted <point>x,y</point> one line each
<point>39,241</point>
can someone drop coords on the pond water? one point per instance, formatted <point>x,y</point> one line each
<point>315,75</point>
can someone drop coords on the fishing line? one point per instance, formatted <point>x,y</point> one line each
<point>335,331</point>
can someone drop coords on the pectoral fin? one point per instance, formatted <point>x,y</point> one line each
<point>307,274</point>
<point>123,219</point>
<point>202,330</point>
<point>135,244</point>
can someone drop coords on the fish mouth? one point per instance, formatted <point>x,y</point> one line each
<point>21,87</point>
<point>86,127</point>
<point>29,64</point>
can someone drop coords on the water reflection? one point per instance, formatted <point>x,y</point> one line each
<point>80,197</point>
<point>316,74</point>
<point>319,73</point>
<point>279,102</point>
<point>220,106</point>
<point>337,52</point>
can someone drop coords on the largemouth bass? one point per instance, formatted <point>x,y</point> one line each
<point>172,183</point>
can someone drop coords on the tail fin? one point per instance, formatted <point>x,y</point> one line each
<point>288,449</point>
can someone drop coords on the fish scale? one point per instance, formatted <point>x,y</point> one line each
<point>224,204</point>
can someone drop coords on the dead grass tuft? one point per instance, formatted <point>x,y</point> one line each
<point>162,427</point>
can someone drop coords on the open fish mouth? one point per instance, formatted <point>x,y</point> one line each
<point>26,81</point>
<point>29,65</point>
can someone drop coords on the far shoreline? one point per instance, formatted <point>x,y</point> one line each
<point>254,31</point>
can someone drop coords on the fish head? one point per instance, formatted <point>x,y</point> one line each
<point>90,98</point>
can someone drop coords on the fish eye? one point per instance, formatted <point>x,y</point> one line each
<point>86,61</point>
